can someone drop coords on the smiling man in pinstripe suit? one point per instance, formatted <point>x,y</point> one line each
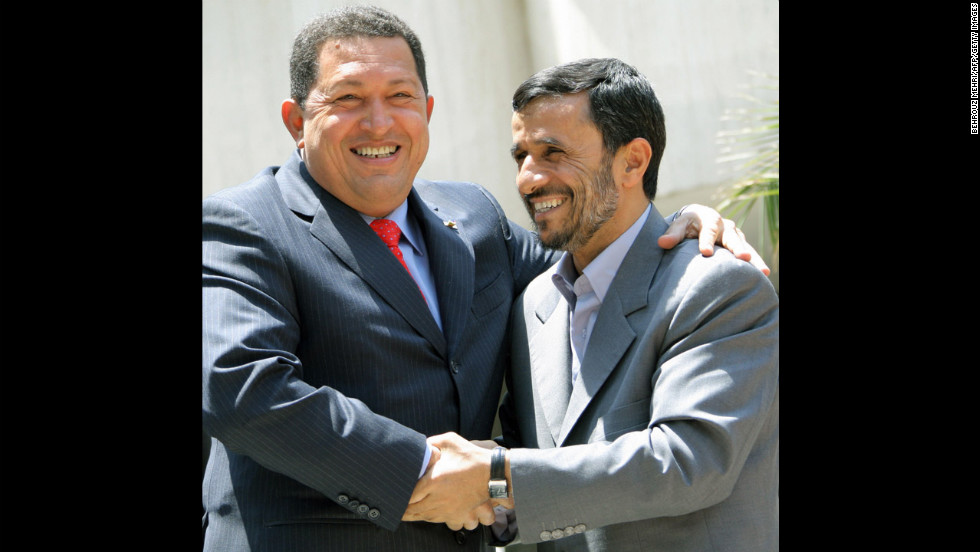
<point>326,362</point>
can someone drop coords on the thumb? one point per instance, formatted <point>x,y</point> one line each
<point>671,237</point>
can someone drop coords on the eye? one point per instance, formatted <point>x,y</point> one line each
<point>519,158</point>
<point>402,97</point>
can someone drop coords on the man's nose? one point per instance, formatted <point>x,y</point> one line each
<point>377,118</point>
<point>531,176</point>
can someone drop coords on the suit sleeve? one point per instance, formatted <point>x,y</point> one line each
<point>714,381</point>
<point>255,400</point>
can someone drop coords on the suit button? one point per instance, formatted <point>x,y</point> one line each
<point>545,535</point>
<point>353,504</point>
<point>580,528</point>
<point>363,509</point>
<point>569,531</point>
<point>557,534</point>
<point>343,499</point>
<point>454,366</point>
<point>460,537</point>
<point>373,513</point>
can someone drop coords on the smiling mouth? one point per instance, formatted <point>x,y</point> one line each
<point>376,153</point>
<point>543,206</point>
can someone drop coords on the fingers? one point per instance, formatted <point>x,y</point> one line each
<point>710,229</point>
<point>734,240</point>
<point>685,225</point>
<point>454,487</point>
<point>482,515</point>
<point>447,441</point>
<point>485,444</point>
<point>706,240</point>
<point>695,221</point>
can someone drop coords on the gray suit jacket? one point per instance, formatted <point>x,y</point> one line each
<point>669,439</point>
<point>324,371</point>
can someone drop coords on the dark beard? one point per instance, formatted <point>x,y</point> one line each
<point>599,209</point>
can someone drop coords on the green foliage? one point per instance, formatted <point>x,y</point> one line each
<point>755,147</point>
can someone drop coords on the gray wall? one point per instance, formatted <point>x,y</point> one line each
<point>697,53</point>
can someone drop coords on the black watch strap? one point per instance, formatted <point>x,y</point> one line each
<point>498,475</point>
<point>497,463</point>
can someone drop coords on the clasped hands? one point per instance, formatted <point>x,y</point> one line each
<point>454,489</point>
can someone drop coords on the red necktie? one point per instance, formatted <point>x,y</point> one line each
<point>390,233</point>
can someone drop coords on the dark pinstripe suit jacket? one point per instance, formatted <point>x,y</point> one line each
<point>323,370</point>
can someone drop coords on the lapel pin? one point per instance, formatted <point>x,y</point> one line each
<point>450,223</point>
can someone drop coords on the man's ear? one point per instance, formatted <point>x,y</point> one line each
<point>635,160</point>
<point>428,108</point>
<point>292,117</point>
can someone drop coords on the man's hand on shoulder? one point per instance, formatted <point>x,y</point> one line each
<point>708,226</point>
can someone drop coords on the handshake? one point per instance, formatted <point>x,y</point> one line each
<point>455,486</point>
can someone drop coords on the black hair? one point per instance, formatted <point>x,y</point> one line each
<point>622,104</point>
<point>345,22</point>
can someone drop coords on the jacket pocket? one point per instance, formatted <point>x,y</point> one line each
<point>491,296</point>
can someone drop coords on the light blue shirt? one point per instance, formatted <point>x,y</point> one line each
<point>585,293</point>
<point>416,257</point>
<point>415,254</point>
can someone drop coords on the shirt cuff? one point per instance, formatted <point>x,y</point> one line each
<point>425,461</point>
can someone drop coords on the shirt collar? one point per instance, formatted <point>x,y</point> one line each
<point>602,270</point>
<point>408,226</point>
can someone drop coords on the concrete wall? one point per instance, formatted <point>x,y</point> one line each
<point>697,53</point>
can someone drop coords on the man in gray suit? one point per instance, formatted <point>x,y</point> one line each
<point>644,382</point>
<point>329,353</point>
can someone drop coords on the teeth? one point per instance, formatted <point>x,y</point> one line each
<point>383,151</point>
<point>545,205</point>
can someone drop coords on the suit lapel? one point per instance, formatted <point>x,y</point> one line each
<point>610,339</point>
<point>612,334</point>
<point>452,263</point>
<point>344,232</point>
<point>551,359</point>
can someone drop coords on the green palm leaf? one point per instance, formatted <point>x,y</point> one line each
<point>754,148</point>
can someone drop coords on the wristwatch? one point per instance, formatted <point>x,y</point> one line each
<point>498,478</point>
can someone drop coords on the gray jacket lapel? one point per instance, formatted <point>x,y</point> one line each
<point>551,359</point>
<point>612,335</point>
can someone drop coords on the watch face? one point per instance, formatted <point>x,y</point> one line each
<point>498,489</point>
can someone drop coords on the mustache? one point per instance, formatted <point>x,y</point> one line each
<point>549,190</point>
